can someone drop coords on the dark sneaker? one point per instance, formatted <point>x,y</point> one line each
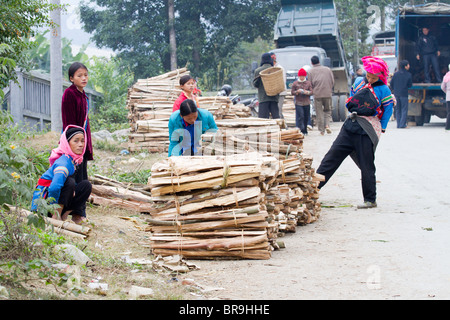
<point>367,205</point>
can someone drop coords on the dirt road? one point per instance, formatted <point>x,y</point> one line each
<point>396,251</point>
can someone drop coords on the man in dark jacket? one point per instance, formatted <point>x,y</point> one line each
<point>268,105</point>
<point>427,49</point>
<point>400,82</point>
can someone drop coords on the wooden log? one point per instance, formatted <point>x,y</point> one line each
<point>62,227</point>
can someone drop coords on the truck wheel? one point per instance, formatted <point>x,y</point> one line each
<point>342,108</point>
<point>419,120</point>
<point>335,111</point>
<point>427,117</point>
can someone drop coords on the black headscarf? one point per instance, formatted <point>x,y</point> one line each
<point>72,131</point>
<point>266,59</point>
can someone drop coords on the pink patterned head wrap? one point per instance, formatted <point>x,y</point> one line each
<point>65,149</point>
<point>377,66</point>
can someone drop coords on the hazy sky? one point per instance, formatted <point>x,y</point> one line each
<point>71,28</point>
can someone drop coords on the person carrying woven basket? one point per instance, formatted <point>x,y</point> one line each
<point>268,105</point>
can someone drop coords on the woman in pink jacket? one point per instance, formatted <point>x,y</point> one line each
<point>446,88</point>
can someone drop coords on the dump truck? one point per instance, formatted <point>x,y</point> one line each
<point>425,99</point>
<point>305,28</point>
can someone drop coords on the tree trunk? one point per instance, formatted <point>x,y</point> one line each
<point>172,38</point>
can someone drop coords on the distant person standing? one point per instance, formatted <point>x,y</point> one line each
<point>282,95</point>
<point>446,88</point>
<point>302,91</point>
<point>400,82</point>
<point>268,105</point>
<point>322,81</point>
<point>427,49</point>
<point>359,73</point>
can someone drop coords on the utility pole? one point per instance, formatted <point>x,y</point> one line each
<point>56,85</point>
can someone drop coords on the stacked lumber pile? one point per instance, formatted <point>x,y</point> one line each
<point>252,135</point>
<point>212,207</point>
<point>150,102</point>
<point>289,111</point>
<point>236,111</point>
<point>309,182</point>
<point>298,175</point>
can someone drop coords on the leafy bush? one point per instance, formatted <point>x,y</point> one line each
<point>20,168</point>
<point>109,78</point>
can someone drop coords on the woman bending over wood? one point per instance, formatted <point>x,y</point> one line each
<point>186,127</point>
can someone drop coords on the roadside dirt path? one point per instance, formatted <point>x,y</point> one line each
<point>396,251</point>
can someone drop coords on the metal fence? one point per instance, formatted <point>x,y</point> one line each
<point>29,100</point>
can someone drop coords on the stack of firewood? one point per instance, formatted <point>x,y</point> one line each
<point>206,207</point>
<point>252,134</point>
<point>302,180</point>
<point>289,111</point>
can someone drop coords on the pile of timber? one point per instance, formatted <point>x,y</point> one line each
<point>212,207</point>
<point>298,175</point>
<point>150,102</point>
<point>289,111</point>
<point>244,135</point>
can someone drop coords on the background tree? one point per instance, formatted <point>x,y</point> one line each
<point>136,30</point>
<point>38,56</point>
<point>207,33</point>
<point>19,21</point>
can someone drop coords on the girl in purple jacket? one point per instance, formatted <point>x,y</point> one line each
<point>75,110</point>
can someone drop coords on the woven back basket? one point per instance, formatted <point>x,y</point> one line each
<point>273,81</point>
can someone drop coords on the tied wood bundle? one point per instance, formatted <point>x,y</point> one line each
<point>299,175</point>
<point>150,103</point>
<point>211,207</point>
<point>289,110</point>
<point>265,136</point>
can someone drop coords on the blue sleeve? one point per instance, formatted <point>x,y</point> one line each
<point>62,169</point>
<point>388,104</point>
<point>359,83</point>
<point>175,136</point>
<point>212,124</point>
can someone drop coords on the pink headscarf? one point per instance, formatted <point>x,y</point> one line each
<point>377,66</point>
<point>64,148</point>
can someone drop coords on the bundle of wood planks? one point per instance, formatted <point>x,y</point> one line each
<point>297,174</point>
<point>211,207</point>
<point>244,135</point>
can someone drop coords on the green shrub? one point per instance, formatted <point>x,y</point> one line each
<point>20,168</point>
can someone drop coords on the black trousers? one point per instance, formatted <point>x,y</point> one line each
<point>268,108</point>
<point>401,112</point>
<point>74,196</point>
<point>81,175</point>
<point>431,59</point>
<point>447,123</point>
<point>346,143</point>
<point>302,114</point>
